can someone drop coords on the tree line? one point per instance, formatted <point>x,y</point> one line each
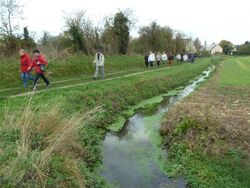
<point>81,35</point>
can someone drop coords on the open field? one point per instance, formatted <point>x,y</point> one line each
<point>236,72</point>
<point>208,133</point>
<point>48,114</point>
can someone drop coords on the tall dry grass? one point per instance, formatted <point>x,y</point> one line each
<point>41,135</point>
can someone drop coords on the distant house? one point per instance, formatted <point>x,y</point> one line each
<point>189,45</point>
<point>213,49</point>
<point>234,51</point>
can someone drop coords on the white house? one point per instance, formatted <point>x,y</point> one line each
<point>214,49</point>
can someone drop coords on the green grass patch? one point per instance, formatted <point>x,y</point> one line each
<point>203,171</point>
<point>236,72</point>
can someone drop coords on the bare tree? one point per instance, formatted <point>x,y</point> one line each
<point>10,14</point>
<point>197,44</point>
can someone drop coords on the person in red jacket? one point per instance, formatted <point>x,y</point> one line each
<point>25,62</point>
<point>39,62</point>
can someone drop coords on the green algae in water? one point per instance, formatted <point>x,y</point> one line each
<point>148,104</point>
<point>180,88</point>
<point>147,107</point>
<point>118,124</point>
<point>172,93</point>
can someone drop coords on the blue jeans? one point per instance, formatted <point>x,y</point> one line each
<point>26,77</point>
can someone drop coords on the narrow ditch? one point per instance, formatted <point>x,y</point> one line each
<point>133,157</point>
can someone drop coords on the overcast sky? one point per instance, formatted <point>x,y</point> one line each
<point>210,20</point>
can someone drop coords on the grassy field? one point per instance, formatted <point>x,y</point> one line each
<point>236,72</point>
<point>54,138</point>
<point>208,133</point>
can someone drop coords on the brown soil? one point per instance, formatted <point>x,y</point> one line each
<point>223,115</point>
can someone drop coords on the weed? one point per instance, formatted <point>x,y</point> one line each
<point>44,150</point>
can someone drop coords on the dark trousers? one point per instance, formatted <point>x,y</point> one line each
<point>146,63</point>
<point>151,63</point>
<point>158,63</point>
<point>40,75</point>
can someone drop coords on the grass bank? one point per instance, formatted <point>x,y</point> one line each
<point>113,96</point>
<point>70,67</point>
<point>207,135</point>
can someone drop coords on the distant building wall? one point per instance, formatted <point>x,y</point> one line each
<point>216,49</point>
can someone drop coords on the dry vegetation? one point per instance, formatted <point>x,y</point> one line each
<point>38,138</point>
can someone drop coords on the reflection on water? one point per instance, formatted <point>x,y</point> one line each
<point>132,157</point>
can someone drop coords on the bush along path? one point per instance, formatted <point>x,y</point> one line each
<point>207,135</point>
<point>33,151</point>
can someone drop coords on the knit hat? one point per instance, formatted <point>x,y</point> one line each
<point>36,51</point>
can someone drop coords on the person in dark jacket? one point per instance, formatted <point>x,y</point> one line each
<point>39,62</point>
<point>170,59</point>
<point>146,60</point>
<point>25,62</point>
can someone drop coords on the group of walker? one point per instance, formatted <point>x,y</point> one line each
<point>186,58</point>
<point>39,62</point>
<point>150,59</point>
<point>27,64</point>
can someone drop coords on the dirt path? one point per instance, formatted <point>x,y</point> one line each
<point>86,83</point>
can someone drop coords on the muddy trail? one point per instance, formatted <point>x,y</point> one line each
<point>133,157</point>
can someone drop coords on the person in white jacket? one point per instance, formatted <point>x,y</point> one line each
<point>151,59</point>
<point>164,57</point>
<point>99,63</point>
<point>178,57</point>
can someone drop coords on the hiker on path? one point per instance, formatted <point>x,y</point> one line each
<point>164,57</point>
<point>178,57</point>
<point>185,58</point>
<point>158,58</point>
<point>146,59</point>
<point>192,57</point>
<point>170,59</point>
<point>25,62</point>
<point>39,62</point>
<point>99,63</point>
<point>182,58</point>
<point>151,59</point>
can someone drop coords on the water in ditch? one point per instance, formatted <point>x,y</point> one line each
<point>132,158</point>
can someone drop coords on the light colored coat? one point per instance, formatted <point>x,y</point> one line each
<point>158,57</point>
<point>178,56</point>
<point>151,57</point>
<point>99,62</point>
<point>164,57</point>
